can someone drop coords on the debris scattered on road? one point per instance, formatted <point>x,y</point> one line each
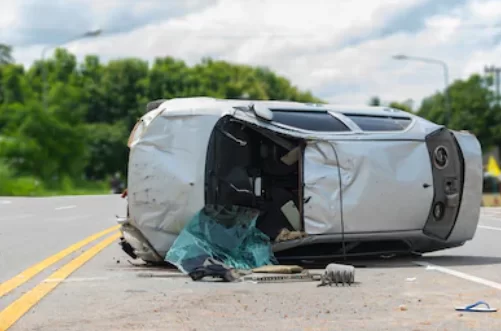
<point>474,308</point>
<point>338,273</point>
<point>221,238</point>
<point>402,308</point>
<point>305,276</point>
<point>279,269</point>
<point>214,268</point>
<point>411,279</point>
<point>223,242</point>
<point>161,275</point>
<point>286,235</point>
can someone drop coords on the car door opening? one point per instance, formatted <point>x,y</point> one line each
<point>253,167</point>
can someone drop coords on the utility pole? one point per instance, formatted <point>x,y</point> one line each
<point>497,72</point>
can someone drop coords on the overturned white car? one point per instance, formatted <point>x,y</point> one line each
<point>355,180</point>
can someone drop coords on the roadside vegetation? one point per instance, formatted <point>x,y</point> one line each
<point>76,140</point>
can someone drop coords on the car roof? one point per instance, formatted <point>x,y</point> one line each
<point>197,103</point>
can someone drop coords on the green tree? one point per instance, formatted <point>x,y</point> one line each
<point>401,106</point>
<point>40,144</point>
<point>375,101</point>
<point>93,106</point>
<point>472,109</point>
<point>13,83</point>
<point>107,149</point>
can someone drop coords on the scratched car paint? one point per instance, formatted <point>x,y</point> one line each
<point>357,180</point>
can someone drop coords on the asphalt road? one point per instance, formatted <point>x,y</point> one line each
<point>107,292</point>
<point>32,229</point>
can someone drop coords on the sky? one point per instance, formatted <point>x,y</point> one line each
<point>340,50</point>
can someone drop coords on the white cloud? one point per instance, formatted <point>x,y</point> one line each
<point>8,15</point>
<point>341,49</point>
<point>489,10</point>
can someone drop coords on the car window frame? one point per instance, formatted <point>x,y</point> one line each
<point>318,132</point>
<point>408,128</point>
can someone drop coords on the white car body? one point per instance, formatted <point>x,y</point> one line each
<point>354,186</point>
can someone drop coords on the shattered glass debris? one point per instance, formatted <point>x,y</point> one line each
<point>225,233</point>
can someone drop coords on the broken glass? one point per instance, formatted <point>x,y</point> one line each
<point>225,233</point>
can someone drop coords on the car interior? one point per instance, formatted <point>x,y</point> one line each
<point>256,168</point>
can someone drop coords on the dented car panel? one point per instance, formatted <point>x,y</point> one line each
<point>166,176</point>
<point>387,178</point>
<point>336,173</point>
<point>322,189</point>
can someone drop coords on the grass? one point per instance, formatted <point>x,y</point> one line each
<point>91,188</point>
<point>11,185</point>
<point>27,186</point>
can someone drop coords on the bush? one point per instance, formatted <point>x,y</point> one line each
<point>18,186</point>
<point>25,186</point>
<point>66,185</point>
<point>5,178</point>
<point>12,185</point>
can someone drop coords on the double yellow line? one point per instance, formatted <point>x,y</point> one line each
<point>18,308</point>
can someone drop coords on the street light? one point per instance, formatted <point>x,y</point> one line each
<point>446,78</point>
<point>88,34</point>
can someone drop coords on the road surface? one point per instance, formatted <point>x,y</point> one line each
<point>51,280</point>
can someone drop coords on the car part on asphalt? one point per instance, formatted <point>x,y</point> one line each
<point>278,269</point>
<point>215,269</point>
<point>302,277</point>
<point>338,274</point>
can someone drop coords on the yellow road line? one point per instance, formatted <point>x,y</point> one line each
<point>32,271</point>
<point>18,308</point>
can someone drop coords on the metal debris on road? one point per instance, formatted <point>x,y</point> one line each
<point>278,269</point>
<point>282,278</point>
<point>338,273</point>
